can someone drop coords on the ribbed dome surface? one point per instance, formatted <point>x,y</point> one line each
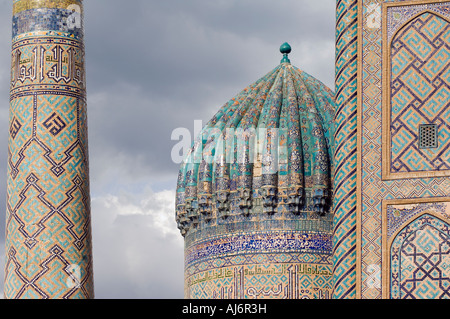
<point>269,147</point>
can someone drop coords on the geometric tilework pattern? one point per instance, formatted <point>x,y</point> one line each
<point>262,281</point>
<point>344,250</point>
<point>48,231</point>
<point>379,19</point>
<point>420,260</point>
<point>264,275</point>
<point>420,93</point>
<point>372,188</point>
<point>266,265</point>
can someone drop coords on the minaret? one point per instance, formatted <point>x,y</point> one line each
<point>48,231</point>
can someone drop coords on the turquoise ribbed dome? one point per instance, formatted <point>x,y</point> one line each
<point>267,152</point>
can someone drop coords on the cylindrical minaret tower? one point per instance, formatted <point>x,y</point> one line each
<point>48,231</point>
<point>254,194</point>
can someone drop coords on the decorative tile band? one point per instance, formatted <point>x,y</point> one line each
<point>22,5</point>
<point>61,16</point>
<point>287,241</point>
<point>262,280</point>
<point>44,62</point>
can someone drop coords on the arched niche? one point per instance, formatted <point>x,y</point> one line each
<point>419,259</point>
<point>416,108</point>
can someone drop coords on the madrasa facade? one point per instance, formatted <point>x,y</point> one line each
<point>292,191</point>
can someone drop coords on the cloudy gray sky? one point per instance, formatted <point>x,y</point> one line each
<point>154,66</point>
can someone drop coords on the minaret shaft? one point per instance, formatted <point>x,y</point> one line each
<point>48,231</point>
